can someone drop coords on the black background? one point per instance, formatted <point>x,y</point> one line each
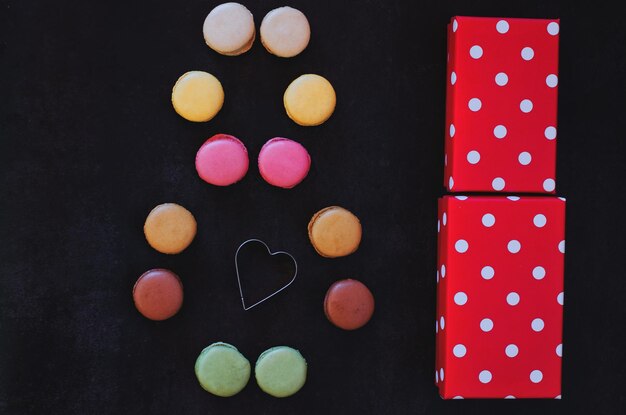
<point>90,143</point>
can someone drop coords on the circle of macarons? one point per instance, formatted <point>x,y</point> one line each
<point>335,232</point>
<point>283,162</point>
<point>197,96</point>
<point>285,32</point>
<point>229,29</point>
<point>158,294</point>
<point>170,228</point>
<point>222,370</point>
<point>222,160</point>
<point>309,100</point>
<point>348,304</point>
<point>280,371</point>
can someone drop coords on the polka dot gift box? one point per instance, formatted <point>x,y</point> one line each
<point>501,105</point>
<point>500,297</point>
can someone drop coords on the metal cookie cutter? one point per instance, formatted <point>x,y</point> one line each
<point>295,263</point>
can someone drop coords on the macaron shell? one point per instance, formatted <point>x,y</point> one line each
<point>170,228</point>
<point>158,294</point>
<point>335,232</point>
<point>244,48</point>
<point>283,162</point>
<point>310,100</point>
<point>197,96</point>
<point>281,371</point>
<point>285,32</point>
<point>222,370</point>
<point>229,29</point>
<point>222,160</point>
<point>349,304</point>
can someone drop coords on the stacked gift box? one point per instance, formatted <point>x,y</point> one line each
<point>501,231</point>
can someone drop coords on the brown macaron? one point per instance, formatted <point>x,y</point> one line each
<point>349,304</point>
<point>158,294</point>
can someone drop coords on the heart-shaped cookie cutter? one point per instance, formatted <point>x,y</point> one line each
<point>295,273</point>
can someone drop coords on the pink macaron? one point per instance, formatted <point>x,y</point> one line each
<point>284,162</point>
<point>222,160</point>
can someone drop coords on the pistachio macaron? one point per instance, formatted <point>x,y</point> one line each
<point>280,371</point>
<point>222,370</point>
<point>197,96</point>
<point>309,100</point>
<point>229,29</point>
<point>170,228</point>
<point>335,232</point>
<point>285,32</point>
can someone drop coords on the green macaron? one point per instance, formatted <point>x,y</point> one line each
<point>222,370</point>
<point>280,371</point>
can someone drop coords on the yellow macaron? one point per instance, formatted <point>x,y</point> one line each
<point>197,96</point>
<point>310,100</point>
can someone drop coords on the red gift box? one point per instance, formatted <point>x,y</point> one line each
<point>500,297</point>
<point>501,105</point>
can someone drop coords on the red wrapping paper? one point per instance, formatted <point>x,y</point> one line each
<point>501,105</point>
<point>500,297</point>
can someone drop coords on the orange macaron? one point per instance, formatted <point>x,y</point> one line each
<point>170,228</point>
<point>335,232</point>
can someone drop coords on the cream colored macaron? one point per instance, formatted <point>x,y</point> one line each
<point>229,29</point>
<point>310,100</point>
<point>285,32</point>
<point>197,96</point>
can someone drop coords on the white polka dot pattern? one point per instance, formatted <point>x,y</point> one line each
<point>502,26</point>
<point>502,84</point>
<point>528,53</point>
<point>503,292</point>
<point>502,79</point>
<point>511,350</point>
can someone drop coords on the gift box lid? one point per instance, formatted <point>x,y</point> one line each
<point>501,105</point>
<point>500,297</point>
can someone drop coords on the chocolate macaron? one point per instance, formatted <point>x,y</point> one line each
<point>158,294</point>
<point>349,304</point>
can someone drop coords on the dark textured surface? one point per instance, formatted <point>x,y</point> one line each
<point>89,144</point>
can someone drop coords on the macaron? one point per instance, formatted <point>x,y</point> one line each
<point>285,32</point>
<point>158,294</point>
<point>229,29</point>
<point>197,96</point>
<point>280,371</point>
<point>222,370</point>
<point>283,162</point>
<point>335,232</point>
<point>170,228</point>
<point>310,100</point>
<point>222,160</point>
<point>349,304</point>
